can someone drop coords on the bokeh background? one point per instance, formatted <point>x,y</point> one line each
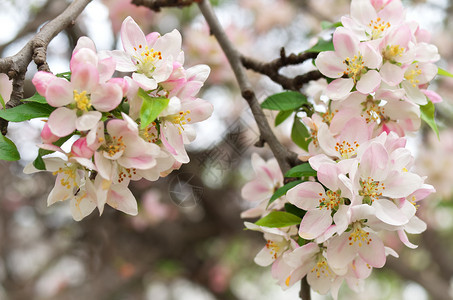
<point>188,240</point>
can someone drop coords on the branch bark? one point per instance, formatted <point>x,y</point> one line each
<point>16,66</point>
<point>156,5</point>
<point>284,157</point>
<point>271,69</point>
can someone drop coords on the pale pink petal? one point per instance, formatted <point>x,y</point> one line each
<point>265,257</point>
<point>393,12</point>
<point>123,61</point>
<point>107,97</point>
<point>371,58</point>
<point>62,121</point>
<point>339,88</point>
<point>144,82</point>
<point>151,38</point>
<point>432,95</point>
<point>103,165</point>
<point>88,120</point>
<point>362,11</point>
<point>339,252</point>
<point>315,223</point>
<point>59,192</point>
<point>369,82</point>
<point>122,199</point>
<point>256,191</point>
<point>199,109</point>
<point>85,77</point>
<point>415,226</point>
<point>306,195</point>
<point>169,44</point>
<point>106,68</point>
<point>330,64</point>
<point>401,184</point>
<point>83,204</point>
<point>403,237</point>
<point>373,251</point>
<point>173,142</point>
<point>391,74</point>
<point>389,213</point>
<point>132,37</point>
<point>374,162</point>
<point>60,92</point>
<point>345,43</point>
<point>413,93</point>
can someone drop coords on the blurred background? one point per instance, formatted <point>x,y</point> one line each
<point>188,240</point>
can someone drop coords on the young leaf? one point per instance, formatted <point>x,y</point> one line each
<point>2,102</point>
<point>292,209</point>
<point>282,116</point>
<point>328,25</point>
<point>36,98</point>
<point>301,171</point>
<point>282,191</point>
<point>300,134</point>
<point>278,219</point>
<point>289,100</point>
<point>26,111</point>
<point>8,151</point>
<point>443,72</point>
<point>151,107</point>
<point>427,115</point>
<point>322,45</point>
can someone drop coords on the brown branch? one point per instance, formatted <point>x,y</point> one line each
<point>284,157</point>
<point>16,66</point>
<point>271,69</point>
<point>304,293</point>
<point>156,5</point>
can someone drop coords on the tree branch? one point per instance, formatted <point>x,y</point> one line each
<point>16,66</point>
<point>156,5</point>
<point>271,69</point>
<point>284,157</point>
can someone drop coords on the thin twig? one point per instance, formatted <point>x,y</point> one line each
<point>284,157</point>
<point>156,5</point>
<point>271,69</point>
<point>16,66</point>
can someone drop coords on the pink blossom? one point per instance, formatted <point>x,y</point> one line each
<point>151,59</point>
<point>352,58</point>
<point>268,178</point>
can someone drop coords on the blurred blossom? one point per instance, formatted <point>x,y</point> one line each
<point>120,9</point>
<point>153,211</point>
<point>219,278</point>
<point>201,47</point>
<point>270,13</point>
<point>435,161</point>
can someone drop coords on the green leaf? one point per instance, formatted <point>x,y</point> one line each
<point>36,98</point>
<point>292,209</point>
<point>282,190</point>
<point>289,100</point>
<point>282,116</point>
<point>328,25</point>
<point>427,115</point>
<point>322,45</point>
<point>2,102</point>
<point>151,107</point>
<point>38,163</point>
<point>26,111</point>
<point>8,151</point>
<point>443,72</point>
<point>278,219</point>
<point>300,134</point>
<point>301,171</point>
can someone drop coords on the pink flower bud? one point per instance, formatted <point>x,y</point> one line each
<point>47,136</point>
<point>81,149</point>
<point>122,82</point>
<point>41,80</point>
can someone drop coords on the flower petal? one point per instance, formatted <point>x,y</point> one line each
<point>62,121</point>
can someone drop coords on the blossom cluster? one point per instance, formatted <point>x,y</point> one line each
<point>378,74</point>
<point>123,128</point>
